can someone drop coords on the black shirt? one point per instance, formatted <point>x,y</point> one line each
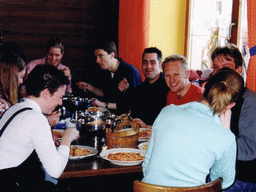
<point>146,101</point>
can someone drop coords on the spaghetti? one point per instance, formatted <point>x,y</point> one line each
<point>125,156</point>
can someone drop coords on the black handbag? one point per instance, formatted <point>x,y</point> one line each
<point>28,176</point>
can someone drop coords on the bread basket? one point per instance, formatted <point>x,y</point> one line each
<point>127,138</point>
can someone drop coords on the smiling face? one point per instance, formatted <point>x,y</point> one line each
<point>151,67</point>
<point>54,56</point>
<point>53,100</point>
<point>176,77</point>
<point>220,62</point>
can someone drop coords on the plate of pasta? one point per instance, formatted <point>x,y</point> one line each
<point>124,156</point>
<point>81,151</point>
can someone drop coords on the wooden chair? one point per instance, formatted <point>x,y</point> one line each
<point>215,186</point>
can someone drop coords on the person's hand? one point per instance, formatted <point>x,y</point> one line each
<point>66,72</point>
<point>123,85</point>
<point>143,125</point>
<point>98,103</point>
<point>56,140</point>
<point>69,135</point>
<point>54,118</point>
<point>225,118</point>
<point>140,122</point>
<point>82,85</point>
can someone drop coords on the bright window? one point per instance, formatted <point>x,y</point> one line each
<point>209,25</point>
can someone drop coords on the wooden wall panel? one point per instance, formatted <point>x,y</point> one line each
<point>79,23</point>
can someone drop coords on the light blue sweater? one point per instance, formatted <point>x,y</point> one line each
<point>188,142</point>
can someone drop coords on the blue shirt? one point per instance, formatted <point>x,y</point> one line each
<point>188,142</point>
<point>110,85</point>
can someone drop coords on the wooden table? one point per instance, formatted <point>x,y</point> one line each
<point>95,166</point>
<point>96,174</point>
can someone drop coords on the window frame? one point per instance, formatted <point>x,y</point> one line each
<point>234,19</point>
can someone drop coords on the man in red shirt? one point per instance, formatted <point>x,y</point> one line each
<point>176,74</point>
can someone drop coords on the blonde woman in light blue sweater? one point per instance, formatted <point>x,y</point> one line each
<point>193,140</point>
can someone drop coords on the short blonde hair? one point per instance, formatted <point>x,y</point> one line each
<point>176,57</point>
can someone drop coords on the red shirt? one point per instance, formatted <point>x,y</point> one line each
<point>194,94</point>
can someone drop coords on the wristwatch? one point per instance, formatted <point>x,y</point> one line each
<point>107,104</point>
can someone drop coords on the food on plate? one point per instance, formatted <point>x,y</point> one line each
<point>77,151</point>
<point>57,134</point>
<point>125,156</point>
<point>97,122</point>
<point>143,133</point>
<point>93,109</point>
<point>144,147</point>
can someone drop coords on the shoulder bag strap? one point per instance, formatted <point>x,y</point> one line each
<point>11,118</point>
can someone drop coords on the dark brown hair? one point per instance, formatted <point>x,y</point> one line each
<point>108,46</point>
<point>153,50</point>
<point>229,51</point>
<point>45,77</point>
<point>56,43</point>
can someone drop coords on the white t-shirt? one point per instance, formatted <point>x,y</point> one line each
<point>30,130</point>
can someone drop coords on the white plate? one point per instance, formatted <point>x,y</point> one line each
<point>126,129</point>
<point>141,139</point>
<point>142,145</point>
<point>104,155</point>
<point>93,152</point>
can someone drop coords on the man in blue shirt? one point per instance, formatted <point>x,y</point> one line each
<point>115,70</point>
<point>146,100</point>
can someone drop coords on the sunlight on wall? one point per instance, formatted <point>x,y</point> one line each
<point>167,26</point>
